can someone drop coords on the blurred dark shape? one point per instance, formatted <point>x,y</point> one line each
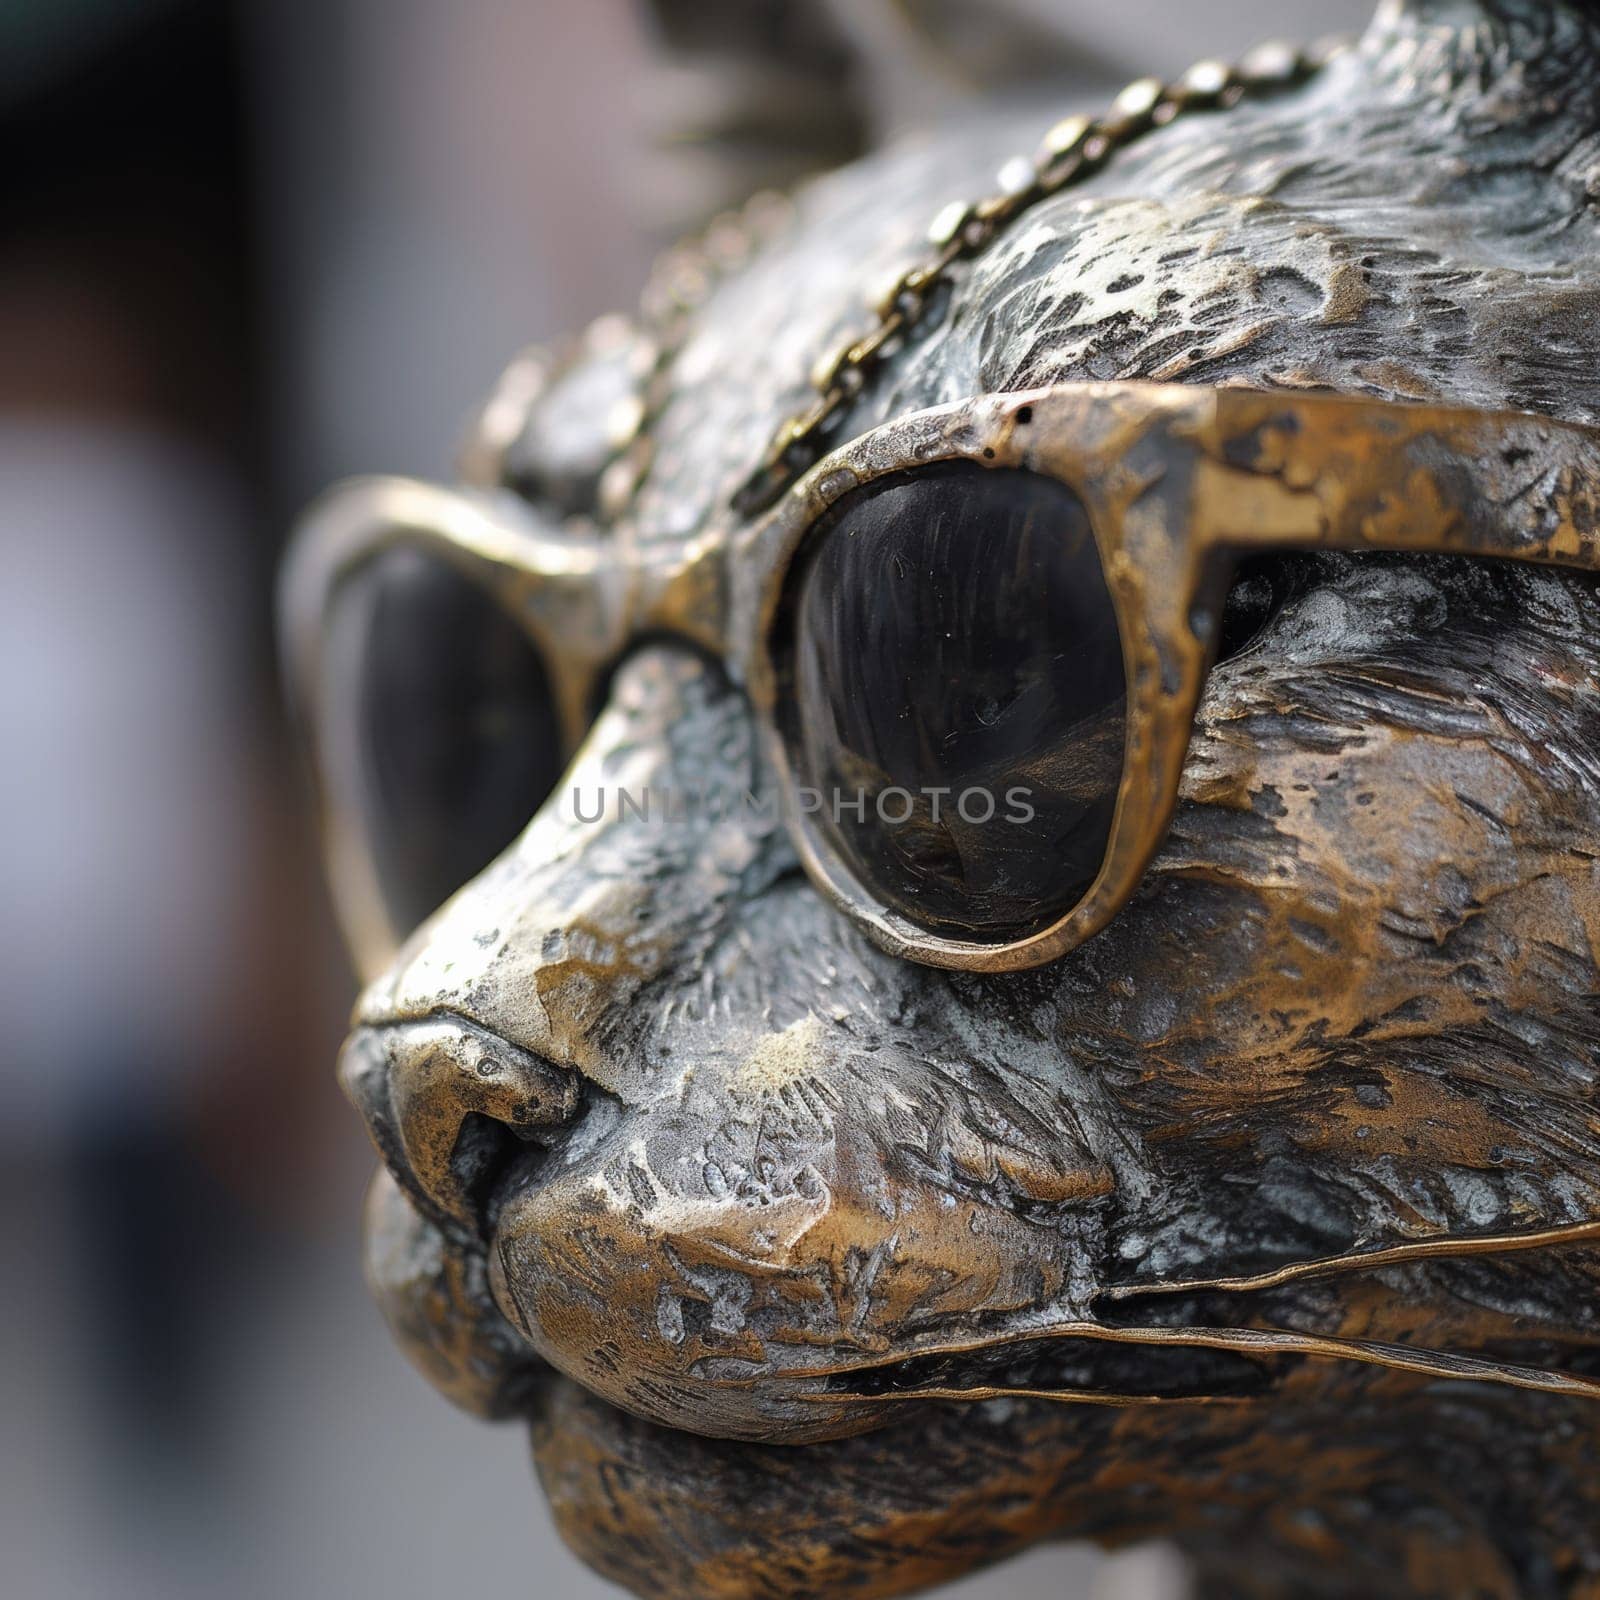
<point>126,254</point>
<point>755,94</point>
<point>960,49</point>
<point>751,94</point>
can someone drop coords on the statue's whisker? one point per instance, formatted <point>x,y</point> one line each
<point>1248,1342</point>
<point>1082,1397</point>
<point>1445,1247</point>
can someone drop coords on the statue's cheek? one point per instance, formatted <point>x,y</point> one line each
<point>1350,878</point>
<point>1346,925</point>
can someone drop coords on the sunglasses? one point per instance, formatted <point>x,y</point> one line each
<point>975,639</point>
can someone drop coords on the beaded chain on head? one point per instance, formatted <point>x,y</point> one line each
<point>682,281</point>
<point>1264,1218</point>
<point>1072,149</point>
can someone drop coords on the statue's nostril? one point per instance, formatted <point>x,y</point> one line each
<point>448,1104</point>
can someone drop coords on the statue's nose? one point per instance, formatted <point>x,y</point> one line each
<point>447,1102</point>
<point>524,992</point>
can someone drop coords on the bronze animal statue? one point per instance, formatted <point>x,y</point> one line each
<point>837,1211</point>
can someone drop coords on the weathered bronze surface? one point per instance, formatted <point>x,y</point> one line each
<point>1268,1218</point>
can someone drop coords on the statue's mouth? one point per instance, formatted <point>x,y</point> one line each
<point>476,1129</point>
<point>1126,1364</point>
<point>1085,1370</point>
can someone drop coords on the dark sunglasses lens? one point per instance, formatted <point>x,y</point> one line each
<point>441,732</point>
<point>958,701</point>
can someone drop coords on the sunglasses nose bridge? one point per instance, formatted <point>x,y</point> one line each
<point>682,594</point>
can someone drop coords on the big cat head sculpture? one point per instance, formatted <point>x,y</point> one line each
<point>981,911</point>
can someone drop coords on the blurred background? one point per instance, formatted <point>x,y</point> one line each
<point>247,248</point>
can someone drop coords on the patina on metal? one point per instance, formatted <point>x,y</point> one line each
<point>1256,1205</point>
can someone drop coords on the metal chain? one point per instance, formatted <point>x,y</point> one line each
<point>681,281</point>
<point>1072,150</point>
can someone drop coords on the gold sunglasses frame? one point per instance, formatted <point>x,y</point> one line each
<point>577,600</point>
<point>1178,482</point>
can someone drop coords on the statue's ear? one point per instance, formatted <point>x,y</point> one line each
<point>927,53</point>
<point>752,94</point>
<point>746,95</point>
